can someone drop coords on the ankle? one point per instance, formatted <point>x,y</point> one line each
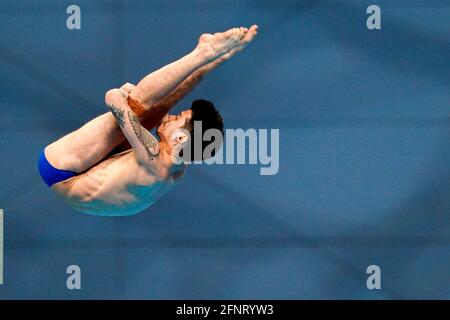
<point>204,53</point>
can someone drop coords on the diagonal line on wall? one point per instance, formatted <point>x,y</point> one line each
<point>316,247</point>
<point>58,87</point>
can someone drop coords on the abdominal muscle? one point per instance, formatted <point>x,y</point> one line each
<point>117,186</point>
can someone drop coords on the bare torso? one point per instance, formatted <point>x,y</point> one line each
<point>118,186</point>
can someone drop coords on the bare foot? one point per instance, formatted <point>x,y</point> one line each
<point>250,34</point>
<point>215,45</point>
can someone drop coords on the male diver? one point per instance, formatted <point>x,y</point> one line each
<point>113,165</point>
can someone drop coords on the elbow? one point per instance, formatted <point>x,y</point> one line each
<point>112,96</point>
<point>109,96</point>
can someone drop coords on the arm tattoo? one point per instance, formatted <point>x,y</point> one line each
<point>146,139</point>
<point>118,114</point>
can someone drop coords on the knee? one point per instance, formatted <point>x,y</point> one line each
<point>61,159</point>
<point>128,87</point>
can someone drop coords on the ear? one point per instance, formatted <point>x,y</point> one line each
<point>180,137</point>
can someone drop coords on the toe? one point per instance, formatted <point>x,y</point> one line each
<point>234,35</point>
<point>229,33</point>
<point>239,34</point>
<point>243,32</point>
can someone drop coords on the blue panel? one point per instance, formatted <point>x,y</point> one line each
<point>364,176</point>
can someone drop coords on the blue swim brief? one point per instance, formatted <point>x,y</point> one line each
<point>50,174</point>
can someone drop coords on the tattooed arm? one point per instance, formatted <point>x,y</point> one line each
<point>145,145</point>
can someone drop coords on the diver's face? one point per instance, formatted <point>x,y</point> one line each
<point>171,123</point>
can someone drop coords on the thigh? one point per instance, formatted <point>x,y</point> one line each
<point>83,148</point>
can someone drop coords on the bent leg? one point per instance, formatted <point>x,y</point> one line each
<point>85,147</point>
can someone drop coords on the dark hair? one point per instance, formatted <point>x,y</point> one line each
<point>204,111</point>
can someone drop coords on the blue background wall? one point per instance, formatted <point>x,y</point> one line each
<point>364,152</point>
